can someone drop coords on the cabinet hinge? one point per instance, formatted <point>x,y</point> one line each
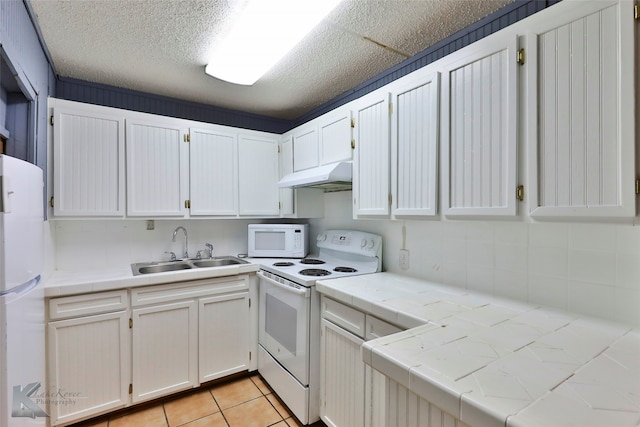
<point>353,144</point>
<point>520,56</point>
<point>390,199</point>
<point>520,192</point>
<point>130,323</point>
<point>249,302</point>
<point>187,204</point>
<point>637,186</point>
<point>51,120</point>
<point>391,108</point>
<point>51,201</point>
<point>187,137</point>
<point>249,356</point>
<point>636,11</point>
<point>130,388</point>
<point>353,123</point>
<point>279,150</point>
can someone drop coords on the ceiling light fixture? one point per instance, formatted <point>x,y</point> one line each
<point>263,34</point>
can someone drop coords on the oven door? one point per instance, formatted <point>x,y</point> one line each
<point>284,325</point>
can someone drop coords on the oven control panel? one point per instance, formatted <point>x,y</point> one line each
<point>352,241</point>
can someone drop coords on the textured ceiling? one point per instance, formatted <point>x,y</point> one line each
<point>162,46</point>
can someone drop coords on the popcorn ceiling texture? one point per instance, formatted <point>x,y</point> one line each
<point>162,46</point>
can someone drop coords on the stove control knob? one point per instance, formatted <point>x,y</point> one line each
<point>321,237</point>
<point>363,244</point>
<point>371,244</point>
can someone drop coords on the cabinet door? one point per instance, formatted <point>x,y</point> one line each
<point>259,174</point>
<point>371,188</point>
<point>335,131</point>
<point>157,169</point>
<point>213,158</point>
<point>414,142</point>
<point>479,120</point>
<point>286,167</point>
<point>165,349</point>
<point>89,358</point>
<point>342,385</point>
<point>88,161</point>
<point>305,147</point>
<point>581,88</point>
<point>223,341</point>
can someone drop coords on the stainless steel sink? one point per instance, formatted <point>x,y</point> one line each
<point>185,264</point>
<point>218,262</point>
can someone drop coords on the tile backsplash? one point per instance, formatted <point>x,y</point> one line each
<point>592,269</point>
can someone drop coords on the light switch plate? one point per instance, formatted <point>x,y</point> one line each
<point>404,259</point>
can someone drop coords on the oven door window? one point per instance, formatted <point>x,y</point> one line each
<point>284,328</point>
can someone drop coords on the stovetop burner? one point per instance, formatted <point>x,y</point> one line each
<point>311,261</point>
<point>345,270</point>
<point>314,272</point>
<point>283,264</point>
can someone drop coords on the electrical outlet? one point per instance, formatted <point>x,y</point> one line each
<point>404,259</point>
<point>151,224</point>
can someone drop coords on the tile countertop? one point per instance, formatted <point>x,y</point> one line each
<point>61,283</point>
<point>495,362</point>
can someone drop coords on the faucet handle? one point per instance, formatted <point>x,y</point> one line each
<point>173,255</point>
<point>209,247</point>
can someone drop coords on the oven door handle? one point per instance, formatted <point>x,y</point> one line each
<point>304,291</point>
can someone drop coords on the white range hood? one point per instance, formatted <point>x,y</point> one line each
<point>332,177</point>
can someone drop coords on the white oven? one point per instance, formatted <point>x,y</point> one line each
<point>289,314</point>
<point>284,319</point>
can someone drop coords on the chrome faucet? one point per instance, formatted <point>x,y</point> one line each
<point>186,240</point>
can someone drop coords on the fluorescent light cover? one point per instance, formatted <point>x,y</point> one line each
<point>263,34</point>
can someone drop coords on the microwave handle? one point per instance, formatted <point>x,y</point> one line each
<point>304,291</point>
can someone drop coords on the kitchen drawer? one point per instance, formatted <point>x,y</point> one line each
<point>192,289</point>
<point>342,315</point>
<point>376,328</point>
<point>87,304</point>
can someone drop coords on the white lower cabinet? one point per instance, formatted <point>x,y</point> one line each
<point>223,335</point>
<point>110,350</point>
<point>164,344</point>
<point>88,352</point>
<point>351,393</point>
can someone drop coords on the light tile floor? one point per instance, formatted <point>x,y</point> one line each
<point>244,402</point>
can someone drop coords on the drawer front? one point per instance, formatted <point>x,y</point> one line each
<point>376,328</point>
<point>344,316</point>
<point>87,304</point>
<point>193,289</point>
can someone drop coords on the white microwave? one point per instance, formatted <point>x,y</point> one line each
<point>278,240</point>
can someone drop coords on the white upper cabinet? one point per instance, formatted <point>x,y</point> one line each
<point>414,145</point>
<point>286,167</point>
<point>479,128</point>
<point>88,160</point>
<point>581,88</point>
<point>258,174</point>
<point>213,169</point>
<point>157,168</point>
<point>305,147</point>
<point>335,129</point>
<point>371,187</point>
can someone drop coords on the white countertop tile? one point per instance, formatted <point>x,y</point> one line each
<point>494,362</point>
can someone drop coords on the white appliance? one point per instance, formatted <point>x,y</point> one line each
<point>332,177</point>
<point>289,325</point>
<point>22,352</point>
<point>278,240</point>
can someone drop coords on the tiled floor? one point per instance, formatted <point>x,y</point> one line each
<point>244,402</point>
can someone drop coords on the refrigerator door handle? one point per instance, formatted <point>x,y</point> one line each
<point>24,288</point>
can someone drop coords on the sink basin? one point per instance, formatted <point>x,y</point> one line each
<point>161,268</point>
<point>218,262</point>
<point>185,264</point>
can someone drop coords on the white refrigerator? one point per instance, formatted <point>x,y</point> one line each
<point>22,346</point>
